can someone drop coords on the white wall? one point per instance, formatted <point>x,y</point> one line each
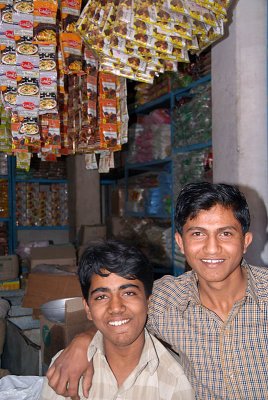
<point>239,114</point>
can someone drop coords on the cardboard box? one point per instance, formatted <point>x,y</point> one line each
<point>90,233</point>
<point>57,255</point>
<point>56,335</point>
<point>42,288</point>
<point>9,267</point>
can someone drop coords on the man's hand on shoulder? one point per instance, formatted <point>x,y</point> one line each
<point>65,372</point>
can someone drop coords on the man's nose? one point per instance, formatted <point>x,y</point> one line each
<point>212,244</point>
<point>116,304</point>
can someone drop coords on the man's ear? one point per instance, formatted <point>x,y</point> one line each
<point>87,310</point>
<point>179,241</point>
<point>247,240</point>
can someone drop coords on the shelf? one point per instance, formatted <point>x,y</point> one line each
<point>144,215</point>
<point>150,105</point>
<point>165,99</point>
<point>41,180</point>
<point>34,228</point>
<point>148,164</point>
<point>178,93</point>
<point>192,147</point>
<point>3,176</point>
<point>5,219</point>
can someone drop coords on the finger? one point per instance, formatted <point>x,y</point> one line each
<point>87,381</point>
<point>50,371</point>
<point>58,381</point>
<point>72,388</point>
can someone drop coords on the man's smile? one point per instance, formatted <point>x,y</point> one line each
<point>119,323</point>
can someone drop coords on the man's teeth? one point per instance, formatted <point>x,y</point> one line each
<point>118,323</point>
<point>212,261</point>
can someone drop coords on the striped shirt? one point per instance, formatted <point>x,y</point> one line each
<point>222,360</point>
<point>157,376</point>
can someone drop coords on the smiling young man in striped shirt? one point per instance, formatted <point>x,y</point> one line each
<point>214,316</point>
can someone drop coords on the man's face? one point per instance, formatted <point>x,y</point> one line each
<point>118,307</point>
<point>213,244</point>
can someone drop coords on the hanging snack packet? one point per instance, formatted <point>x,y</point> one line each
<point>7,37</point>
<point>23,161</point>
<point>23,18</point>
<point>45,28</point>
<point>71,47</point>
<point>70,12</point>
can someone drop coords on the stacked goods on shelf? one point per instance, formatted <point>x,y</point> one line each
<point>3,239</point>
<point>4,198</point>
<point>3,205</point>
<point>192,117</point>
<point>192,166</point>
<point>41,204</point>
<point>43,170</point>
<point>150,194</point>
<point>149,138</point>
<point>149,234</point>
<point>192,134</point>
<point>3,187</point>
<point>140,39</point>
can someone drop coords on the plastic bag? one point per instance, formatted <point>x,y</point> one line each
<point>13,387</point>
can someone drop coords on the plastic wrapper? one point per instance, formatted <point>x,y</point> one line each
<point>193,166</point>
<point>129,36</point>
<point>149,139</point>
<point>13,387</point>
<point>192,119</point>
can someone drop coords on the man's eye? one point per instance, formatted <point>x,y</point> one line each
<point>101,297</point>
<point>197,233</point>
<point>129,293</point>
<point>226,233</point>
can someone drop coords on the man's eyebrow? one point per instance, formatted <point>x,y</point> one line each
<point>129,285</point>
<point>201,228</point>
<point>99,289</point>
<point>122,287</point>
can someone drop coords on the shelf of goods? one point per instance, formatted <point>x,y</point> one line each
<point>169,146</point>
<point>32,203</point>
<point>6,242</point>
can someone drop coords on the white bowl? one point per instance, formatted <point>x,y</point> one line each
<point>54,310</point>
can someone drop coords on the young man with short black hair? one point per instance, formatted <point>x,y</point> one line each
<point>129,363</point>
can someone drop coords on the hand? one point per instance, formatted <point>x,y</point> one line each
<point>64,374</point>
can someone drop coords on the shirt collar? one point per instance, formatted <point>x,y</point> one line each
<point>253,291</point>
<point>148,355</point>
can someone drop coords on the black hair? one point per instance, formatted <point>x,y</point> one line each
<point>195,197</point>
<point>116,257</point>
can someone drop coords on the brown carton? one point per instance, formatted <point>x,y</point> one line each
<point>42,288</point>
<point>56,254</point>
<point>57,335</point>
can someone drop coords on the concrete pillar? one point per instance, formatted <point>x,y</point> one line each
<point>84,195</point>
<point>239,114</point>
